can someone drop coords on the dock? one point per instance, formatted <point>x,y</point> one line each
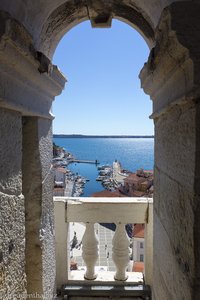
<point>69,188</point>
<point>96,162</point>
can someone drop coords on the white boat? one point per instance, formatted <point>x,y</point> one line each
<point>100,178</point>
<point>103,167</point>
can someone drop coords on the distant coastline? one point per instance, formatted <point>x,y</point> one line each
<point>101,136</point>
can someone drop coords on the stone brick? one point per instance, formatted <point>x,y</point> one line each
<point>10,152</point>
<point>12,246</point>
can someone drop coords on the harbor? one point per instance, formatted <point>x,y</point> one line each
<point>75,184</point>
<point>68,180</point>
<point>74,160</point>
<point>112,177</point>
<point>74,177</point>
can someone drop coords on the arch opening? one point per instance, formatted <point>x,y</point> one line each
<point>68,15</point>
<point>102,99</point>
<point>103,94</point>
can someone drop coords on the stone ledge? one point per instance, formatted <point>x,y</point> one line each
<point>105,278</point>
<point>142,291</point>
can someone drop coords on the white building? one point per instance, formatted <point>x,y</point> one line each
<point>59,177</point>
<point>138,245</point>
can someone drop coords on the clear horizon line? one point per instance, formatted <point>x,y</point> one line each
<point>80,134</point>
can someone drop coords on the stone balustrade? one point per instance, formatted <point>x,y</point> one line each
<point>89,211</point>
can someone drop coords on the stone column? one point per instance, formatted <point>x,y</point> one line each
<point>28,85</point>
<point>12,216</point>
<point>62,240</point>
<point>37,190</point>
<point>171,77</point>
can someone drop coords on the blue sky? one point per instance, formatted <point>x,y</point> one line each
<point>103,94</point>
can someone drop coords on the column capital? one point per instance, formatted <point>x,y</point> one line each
<point>28,80</point>
<point>172,74</point>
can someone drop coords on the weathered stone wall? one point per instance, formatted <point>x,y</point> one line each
<point>174,204</point>
<point>197,206</point>
<point>28,85</point>
<point>47,217</point>
<point>37,190</point>
<point>31,170</point>
<point>171,77</point>
<point>100,14</point>
<point>37,16</point>
<point>12,214</point>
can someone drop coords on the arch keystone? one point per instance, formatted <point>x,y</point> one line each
<point>101,21</point>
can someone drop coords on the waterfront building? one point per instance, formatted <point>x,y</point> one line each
<point>59,176</point>
<point>138,184</point>
<point>59,181</point>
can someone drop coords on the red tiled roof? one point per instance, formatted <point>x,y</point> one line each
<point>138,266</point>
<point>138,231</point>
<point>136,193</point>
<point>62,170</point>
<point>133,178</point>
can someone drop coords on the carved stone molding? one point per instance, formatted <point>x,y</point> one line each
<point>171,74</point>
<point>28,80</point>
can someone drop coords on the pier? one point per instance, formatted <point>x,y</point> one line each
<point>96,162</point>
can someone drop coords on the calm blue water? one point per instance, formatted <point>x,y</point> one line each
<point>131,152</point>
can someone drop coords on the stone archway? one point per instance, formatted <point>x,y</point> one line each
<point>172,80</point>
<point>171,77</point>
<point>99,13</point>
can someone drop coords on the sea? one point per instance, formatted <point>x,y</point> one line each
<point>132,153</point>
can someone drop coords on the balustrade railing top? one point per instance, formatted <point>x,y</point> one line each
<point>101,210</point>
<point>96,210</point>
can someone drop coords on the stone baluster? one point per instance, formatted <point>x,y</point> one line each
<point>90,251</point>
<point>120,253</point>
